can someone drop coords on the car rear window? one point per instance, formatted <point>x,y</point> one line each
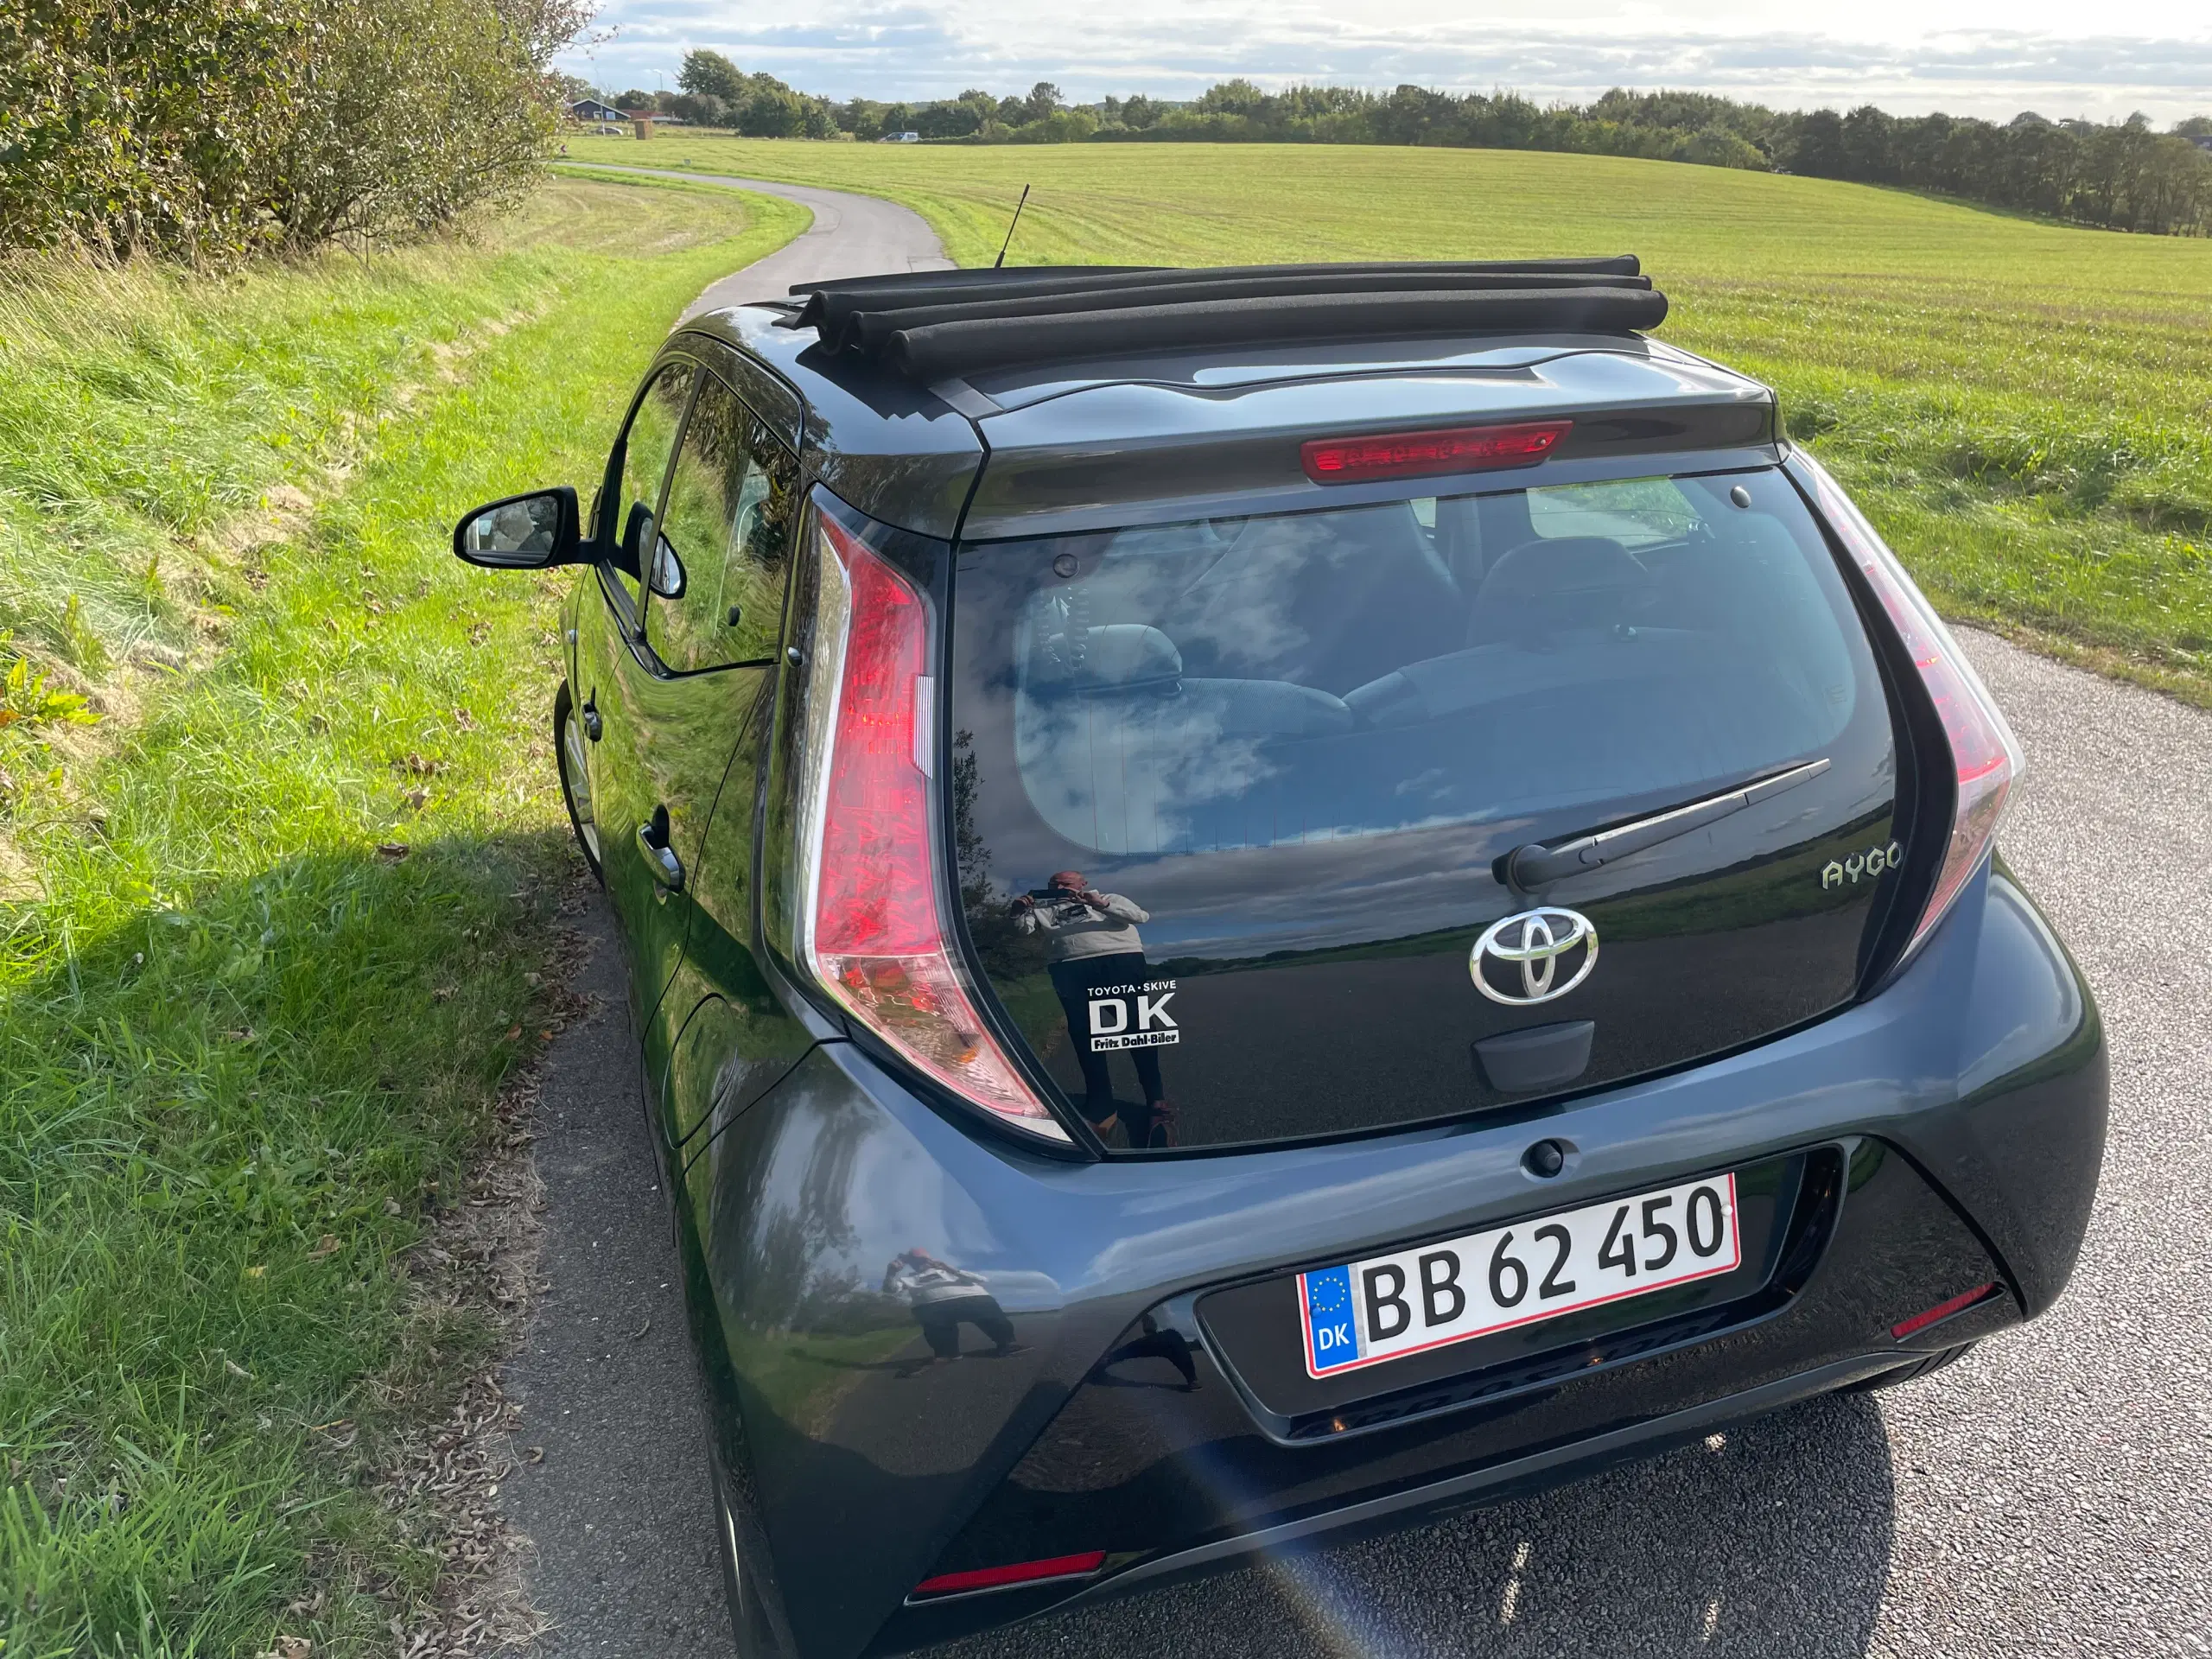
<point>1254,681</point>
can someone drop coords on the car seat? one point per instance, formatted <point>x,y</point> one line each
<point>1545,587</point>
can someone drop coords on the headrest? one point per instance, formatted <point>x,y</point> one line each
<point>1122,656</point>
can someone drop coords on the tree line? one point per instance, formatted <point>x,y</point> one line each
<point>2123,176</point>
<point>206,129</point>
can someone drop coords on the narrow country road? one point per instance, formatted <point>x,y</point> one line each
<point>2050,1495</point>
<point>851,236</point>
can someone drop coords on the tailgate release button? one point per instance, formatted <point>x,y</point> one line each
<point>1542,1057</point>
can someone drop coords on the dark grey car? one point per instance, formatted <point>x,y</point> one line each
<point>1269,900</point>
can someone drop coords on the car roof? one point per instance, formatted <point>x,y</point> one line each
<point>1153,435</point>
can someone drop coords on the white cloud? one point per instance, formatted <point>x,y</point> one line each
<point>1985,57</point>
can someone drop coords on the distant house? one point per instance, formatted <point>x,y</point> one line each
<point>590,109</point>
<point>901,138</point>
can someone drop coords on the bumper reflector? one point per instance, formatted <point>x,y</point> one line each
<point>1957,1304</point>
<point>994,1577</point>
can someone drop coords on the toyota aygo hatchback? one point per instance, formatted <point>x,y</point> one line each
<point>1263,900</point>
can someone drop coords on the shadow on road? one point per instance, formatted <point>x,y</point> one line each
<point>1775,1541</point>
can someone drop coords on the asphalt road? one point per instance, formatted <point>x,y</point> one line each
<point>851,236</point>
<point>2052,1494</point>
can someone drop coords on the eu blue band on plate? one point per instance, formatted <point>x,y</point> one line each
<point>1331,1334</point>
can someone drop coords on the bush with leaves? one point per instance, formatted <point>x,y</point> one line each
<point>208,128</point>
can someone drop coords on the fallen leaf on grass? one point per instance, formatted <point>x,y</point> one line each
<point>392,1206</point>
<point>294,1647</point>
<point>394,849</point>
<point>237,1370</point>
<point>326,1245</point>
<point>418,798</point>
<point>512,1034</point>
<point>256,1271</point>
<point>441,992</point>
<point>244,1034</point>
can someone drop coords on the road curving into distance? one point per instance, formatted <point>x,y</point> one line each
<point>851,236</point>
<point>2050,1494</point>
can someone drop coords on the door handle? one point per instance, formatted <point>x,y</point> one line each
<point>660,857</point>
<point>593,725</point>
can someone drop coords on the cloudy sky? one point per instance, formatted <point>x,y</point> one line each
<point>1978,57</point>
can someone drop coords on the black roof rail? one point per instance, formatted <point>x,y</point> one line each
<point>929,325</point>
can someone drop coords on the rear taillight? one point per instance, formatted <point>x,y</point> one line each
<point>1985,757</point>
<point>870,932</point>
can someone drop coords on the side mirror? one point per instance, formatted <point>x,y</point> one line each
<point>523,532</point>
<point>669,580</point>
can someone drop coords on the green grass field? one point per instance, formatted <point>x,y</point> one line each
<point>279,922</point>
<point>2025,408</point>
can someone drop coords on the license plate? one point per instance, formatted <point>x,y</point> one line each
<point>1388,1306</point>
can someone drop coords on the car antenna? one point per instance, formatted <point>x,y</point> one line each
<point>1008,243</point>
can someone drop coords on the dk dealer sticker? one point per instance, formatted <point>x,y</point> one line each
<point>1132,1016</point>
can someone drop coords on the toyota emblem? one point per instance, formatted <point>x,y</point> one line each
<point>1523,958</point>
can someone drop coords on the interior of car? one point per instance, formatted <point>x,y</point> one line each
<point>1241,682</point>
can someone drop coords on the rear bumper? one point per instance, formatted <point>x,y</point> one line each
<point>1964,1107</point>
<point>925,1621</point>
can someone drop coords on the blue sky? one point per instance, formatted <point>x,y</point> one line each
<point>1977,57</point>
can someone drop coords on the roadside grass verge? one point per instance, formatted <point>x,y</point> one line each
<point>282,922</point>
<point>2025,408</point>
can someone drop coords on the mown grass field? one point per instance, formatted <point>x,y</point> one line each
<point>2025,408</point>
<point>283,854</point>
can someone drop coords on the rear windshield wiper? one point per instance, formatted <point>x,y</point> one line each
<point>1535,865</point>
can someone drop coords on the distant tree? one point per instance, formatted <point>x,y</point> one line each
<point>2197,126</point>
<point>947,118</point>
<point>1238,97</point>
<point>1044,97</point>
<point>1870,145</point>
<point>1062,126</point>
<point>699,109</point>
<point>1141,112</point>
<point>1717,146</point>
<point>768,109</point>
<point>635,99</point>
<point>1817,149</point>
<point>862,117</point>
<point>711,75</point>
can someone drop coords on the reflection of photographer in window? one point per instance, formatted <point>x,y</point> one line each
<point>1093,942</point>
